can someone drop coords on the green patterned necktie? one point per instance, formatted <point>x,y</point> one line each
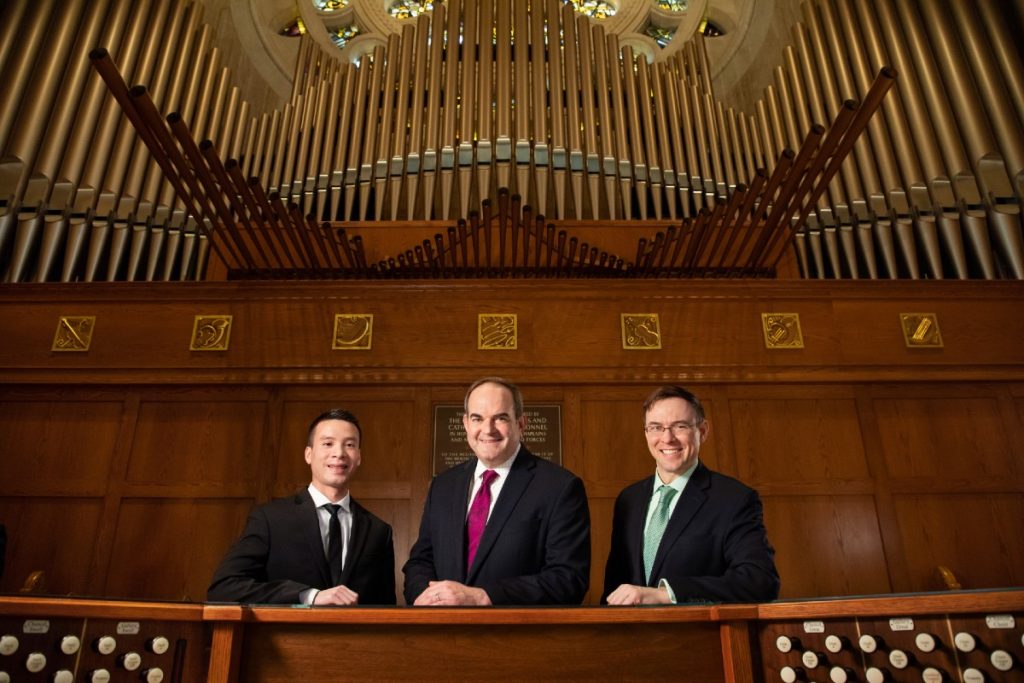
<point>652,537</point>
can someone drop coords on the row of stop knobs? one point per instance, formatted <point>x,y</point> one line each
<point>899,659</point>
<point>36,661</point>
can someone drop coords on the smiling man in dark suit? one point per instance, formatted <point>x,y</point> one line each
<point>505,527</point>
<point>686,534</point>
<point>318,547</point>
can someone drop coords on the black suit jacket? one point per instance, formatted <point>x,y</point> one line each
<point>535,548</point>
<point>281,554</point>
<point>715,547</point>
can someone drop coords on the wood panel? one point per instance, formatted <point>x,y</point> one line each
<point>54,535</point>
<point>167,549</point>
<point>57,447</point>
<point>826,545</point>
<point>980,537</point>
<point>196,440</point>
<point>959,437</point>
<point>789,440</point>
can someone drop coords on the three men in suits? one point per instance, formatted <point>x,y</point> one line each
<point>504,527</point>
<point>686,534</point>
<point>318,547</point>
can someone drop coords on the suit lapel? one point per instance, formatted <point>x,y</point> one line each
<point>357,539</point>
<point>309,523</point>
<point>511,491</point>
<point>693,498</point>
<point>457,512</point>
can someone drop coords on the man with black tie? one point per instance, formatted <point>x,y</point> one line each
<point>318,547</point>
<point>505,527</point>
<point>687,534</point>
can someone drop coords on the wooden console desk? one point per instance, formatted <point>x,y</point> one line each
<point>962,637</point>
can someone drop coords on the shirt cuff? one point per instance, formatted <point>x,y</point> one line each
<point>668,589</point>
<point>307,596</point>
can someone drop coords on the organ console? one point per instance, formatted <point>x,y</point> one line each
<point>529,98</point>
<point>962,636</point>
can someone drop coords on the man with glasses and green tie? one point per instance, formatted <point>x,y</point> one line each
<point>687,534</point>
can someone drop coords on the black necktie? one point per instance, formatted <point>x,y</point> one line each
<point>334,546</point>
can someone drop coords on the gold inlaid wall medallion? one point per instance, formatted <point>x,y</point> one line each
<point>921,330</point>
<point>352,332</point>
<point>497,331</point>
<point>782,331</point>
<point>74,333</point>
<point>211,333</point>
<point>641,331</point>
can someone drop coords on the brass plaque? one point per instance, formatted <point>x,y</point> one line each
<point>352,332</point>
<point>641,331</point>
<point>542,436</point>
<point>782,331</point>
<point>211,333</point>
<point>497,331</point>
<point>74,333</point>
<point>921,330</point>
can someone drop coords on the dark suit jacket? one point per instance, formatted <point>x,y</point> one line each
<point>281,554</point>
<point>715,547</point>
<point>536,546</point>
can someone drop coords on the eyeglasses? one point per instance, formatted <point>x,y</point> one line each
<point>677,428</point>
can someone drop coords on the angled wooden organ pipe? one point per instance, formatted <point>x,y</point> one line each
<point>478,98</point>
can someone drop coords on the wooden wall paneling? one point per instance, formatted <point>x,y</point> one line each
<point>826,545</point>
<point>800,435</point>
<point>52,534</point>
<point>168,548</point>
<point>892,539</point>
<point>979,536</point>
<point>104,541</point>
<point>206,439</point>
<point>57,443</point>
<point>960,436</point>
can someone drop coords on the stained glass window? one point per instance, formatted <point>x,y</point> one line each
<point>343,34</point>
<point>596,9</point>
<point>674,5</point>
<point>409,9</point>
<point>330,5</point>
<point>662,36</point>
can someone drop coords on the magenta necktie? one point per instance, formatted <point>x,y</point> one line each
<point>477,519</point>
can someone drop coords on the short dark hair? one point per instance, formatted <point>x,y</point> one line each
<point>333,414</point>
<point>517,396</point>
<point>673,391</point>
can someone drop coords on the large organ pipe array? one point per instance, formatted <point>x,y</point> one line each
<point>480,96</point>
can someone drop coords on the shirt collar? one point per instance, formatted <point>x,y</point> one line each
<point>503,469</point>
<point>319,499</point>
<point>679,483</point>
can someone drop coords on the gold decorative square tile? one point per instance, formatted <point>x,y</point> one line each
<point>211,333</point>
<point>921,330</point>
<point>782,331</point>
<point>497,331</point>
<point>74,333</point>
<point>641,331</point>
<point>352,332</point>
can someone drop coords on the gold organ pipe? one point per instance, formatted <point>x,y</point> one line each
<point>451,110</point>
<point>72,92</point>
<point>963,97</point>
<point>635,149</point>
<point>645,121</point>
<point>572,108</point>
<point>385,121</point>
<point>661,115</point>
<point>618,107</point>
<point>788,103</point>
<point>604,113</point>
<point>28,44</point>
<point>467,107</point>
<point>934,107</point>
<point>592,163</point>
<point>282,134</point>
<point>995,91</point>
<point>521,97</point>
<point>433,116</point>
